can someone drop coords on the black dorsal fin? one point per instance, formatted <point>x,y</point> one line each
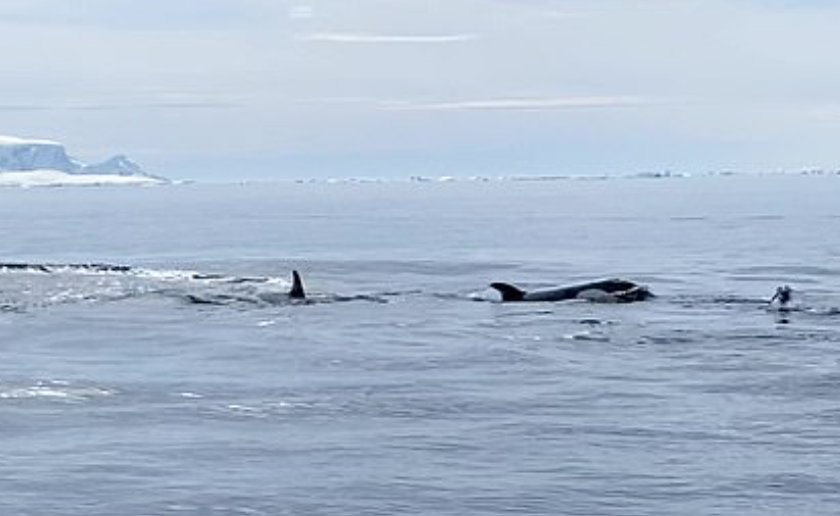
<point>297,291</point>
<point>509,292</point>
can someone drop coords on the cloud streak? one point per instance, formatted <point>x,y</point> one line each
<point>372,38</point>
<point>521,104</point>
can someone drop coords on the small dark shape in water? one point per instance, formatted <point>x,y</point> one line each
<point>101,267</point>
<point>198,300</point>
<point>783,296</point>
<point>591,322</point>
<point>782,300</point>
<point>607,291</point>
<point>24,267</point>
<point>9,308</point>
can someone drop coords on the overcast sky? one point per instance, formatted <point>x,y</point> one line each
<point>250,89</point>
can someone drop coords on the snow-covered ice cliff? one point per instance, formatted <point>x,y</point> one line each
<point>26,162</point>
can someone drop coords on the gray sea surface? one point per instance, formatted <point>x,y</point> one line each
<point>189,384</point>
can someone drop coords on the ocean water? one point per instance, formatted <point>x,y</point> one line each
<point>405,386</point>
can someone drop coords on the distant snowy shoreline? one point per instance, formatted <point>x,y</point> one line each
<point>33,163</point>
<point>545,178</point>
<point>27,163</point>
<point>40,178</point>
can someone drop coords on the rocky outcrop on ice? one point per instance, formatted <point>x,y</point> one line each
<point>25,162</point>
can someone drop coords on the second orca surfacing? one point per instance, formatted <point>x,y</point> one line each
<point>608,291</point>
<point>296,294</point>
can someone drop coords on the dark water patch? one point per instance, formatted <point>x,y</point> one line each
<point>802,386</point>
<point>732,299</point>
<point>795,484</point>
<point>673,437</point>
<point>828,417</point>
<point>785,271</point>
<point>678,340</point>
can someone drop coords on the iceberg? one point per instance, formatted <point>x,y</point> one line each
<point>29,162</point>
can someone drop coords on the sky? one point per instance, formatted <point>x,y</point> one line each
<point>234,90</point>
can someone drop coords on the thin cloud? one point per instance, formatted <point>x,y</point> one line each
<point>371,38</point>
<point>520,104</point>
<point>128,104</point>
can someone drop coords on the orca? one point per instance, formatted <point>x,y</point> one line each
<point>297,291</point>
<point>610,290</point>
<point>295,294</point>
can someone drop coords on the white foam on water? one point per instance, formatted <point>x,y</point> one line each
<point>53,391</point>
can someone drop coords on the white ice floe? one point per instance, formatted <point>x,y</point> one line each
<point>33,178</point>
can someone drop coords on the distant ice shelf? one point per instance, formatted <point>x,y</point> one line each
<point>31,162</point>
